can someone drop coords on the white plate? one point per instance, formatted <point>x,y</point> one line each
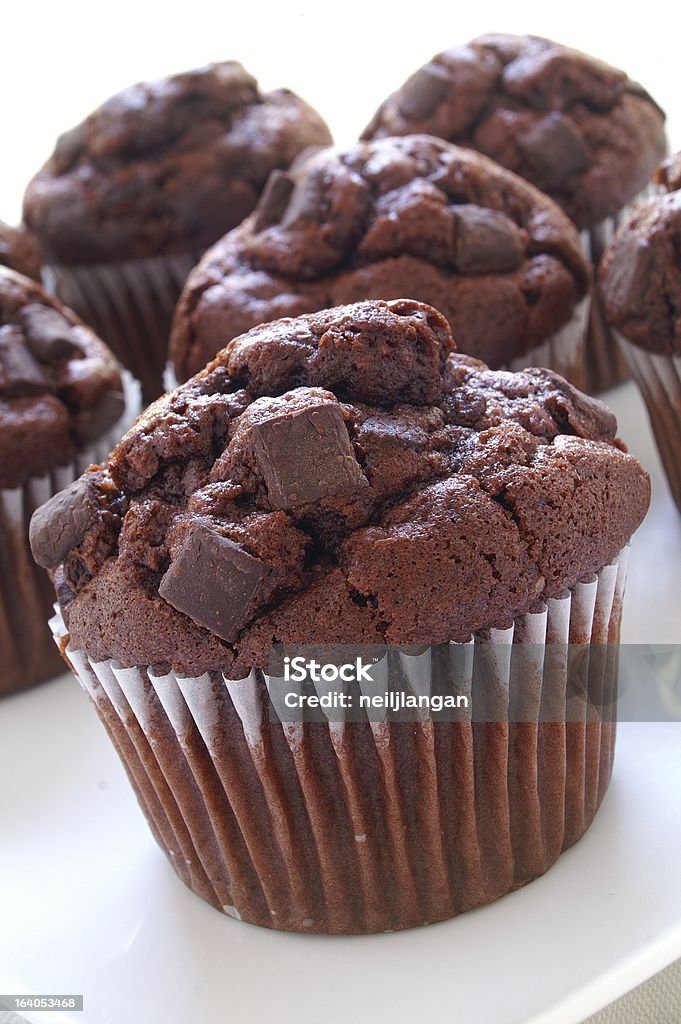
<point>89,905</point>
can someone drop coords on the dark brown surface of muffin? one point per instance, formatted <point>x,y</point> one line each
<point>412,216</point>
<point>167,166</point>
<point>332,477</point>
<point>20,251</point>
<point>60,387</point>
<point>576,127</point>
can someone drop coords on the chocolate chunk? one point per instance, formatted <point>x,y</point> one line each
<point>575,412</point>
<point>273,201</point>
<point>20,374</point>
<point>486,242</point>
<point>423,91</point>
<point>555,150</point>
<point>629,275</point>
<point>61,523</point>
<point>464,406</point>
<point>69,147</point>
<point>306,201</point>
<point>49,334</point>
<point>215,582</point>
<point>306,456</point>
<point>92,423</point>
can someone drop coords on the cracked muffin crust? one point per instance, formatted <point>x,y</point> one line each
<point>20,251</point>
<point>410,216</point>
<point>339,476</point>
<point>166,166</point>
<point>579,129</point>
<point>60,387</point>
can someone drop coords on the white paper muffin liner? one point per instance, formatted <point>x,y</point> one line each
<point>605,366</point>
<point>659,380</point>
<point>130,305</point>
<point>355,827</point>
<point>26,593</point>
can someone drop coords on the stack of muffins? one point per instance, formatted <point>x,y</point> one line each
<point>353,453</point>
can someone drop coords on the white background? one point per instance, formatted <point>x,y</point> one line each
<point>60,59</point>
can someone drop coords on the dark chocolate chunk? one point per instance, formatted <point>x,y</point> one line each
<point>214,581</point>
<point>575,412</point>
<point>630,275</point>
<point>49,335</point>
<point>20,374</point>
<point>555,150</point>
<point>306,456</point>
<point>92,423</point>
<point>69,146</point>
<point>273,201</point>
<point>486,241</point>
<point>61,523</point>
<point>306,202</point>
<point>464,406</point>
<point>422,93</point>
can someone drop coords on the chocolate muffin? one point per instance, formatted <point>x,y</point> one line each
<point>579,129</point>
<point>345,477</point>
<point>412,216</point>
<point>19,251</point>
<point>131,197</point>
<point>640,280</point>
<point>62,406</point>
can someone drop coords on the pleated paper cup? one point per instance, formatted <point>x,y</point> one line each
<point>343,827</point>
<point>605,365</point>
<point>564,351</point>
<point>130,305</point>
<point>659,380</point>
<point>26,593</point>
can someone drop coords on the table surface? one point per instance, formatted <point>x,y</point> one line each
<point>89,905</point>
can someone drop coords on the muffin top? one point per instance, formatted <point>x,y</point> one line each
<point>60,387</point>
<point>340,477</point>
<point>640,273</point>
<point>19,251</point>
<point>579,129</point>
<point>408,216</point>
<point>166,166</point>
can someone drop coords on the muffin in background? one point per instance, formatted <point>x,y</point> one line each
<point>579,129</point>
<point>64,402</point>
<point>640,282</point>
<point>20,251</point>
<point>344,477</point>
<point>409,216</point>
<point>131,197</point>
